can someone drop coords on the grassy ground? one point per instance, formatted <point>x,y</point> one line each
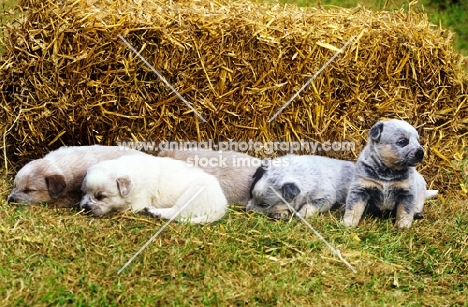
<point>56,257</point>
<point>6,11</point>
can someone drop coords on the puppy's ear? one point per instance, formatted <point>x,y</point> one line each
<point>125,185</point>
<point>83,182</point>
<point>256,177</point>
<point>290,191</point>
<point>376,131</point>
<point>55,185</point>
<point>259,173</point>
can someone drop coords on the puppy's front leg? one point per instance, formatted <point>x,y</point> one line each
<point>404,219</point>
<point>355,205</point>
<point>283,214</point>
<point>315,206</point>
<point>160,213</point>
<point>405,207</point>
<point>404,213</point>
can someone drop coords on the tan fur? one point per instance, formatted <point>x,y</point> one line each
<point>403,184</point>
<point>367,183</point>
<point>352,217</point>
<point>56,178</point>
<point>235,179</point>
<point>388,156</point>
<point>280,212</point>
<point>403,218</point>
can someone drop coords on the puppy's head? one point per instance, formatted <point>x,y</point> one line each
<point>266,201</point>
<point>38,181</point>
<point>396,144</point>
<point>104,192</point>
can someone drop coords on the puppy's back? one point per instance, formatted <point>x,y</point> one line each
<point>234,170</point>
<point>330,175</point>
<point>75,160</point>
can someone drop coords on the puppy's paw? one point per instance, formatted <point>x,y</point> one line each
<point>280,215</point>
<point>348,224</point>
<point>404,223</point>
<point>350,221</point>
<point>353,213</point>
<point>308,210</point>
<point>403,218</point>
<point>151,212</point>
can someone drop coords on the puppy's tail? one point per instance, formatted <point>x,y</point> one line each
<point>430,193</point>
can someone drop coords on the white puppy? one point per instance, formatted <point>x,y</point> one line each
<point>160,186</point>
<point>56,178</point>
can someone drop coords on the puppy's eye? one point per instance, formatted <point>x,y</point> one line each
<point>27,191</point>
<point>263,205</point>
<point>402,142</point>
<point>100,197</point>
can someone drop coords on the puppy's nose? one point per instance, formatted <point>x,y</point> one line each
<point>10,199</point>
<point>419,154</point>
<point>86,207</point>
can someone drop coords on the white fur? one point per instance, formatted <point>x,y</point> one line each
<point>161,186</point>
<point>67,166</point>
<point>234,170</point>
<point>431,193</point>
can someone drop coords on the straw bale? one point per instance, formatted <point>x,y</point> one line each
<point>67,79</point>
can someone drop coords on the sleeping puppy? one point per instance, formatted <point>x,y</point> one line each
<point>234,170</point>
<point>386,178</point>
<point>308,183</point>
<point>159,186</point>
<point>56,178</point>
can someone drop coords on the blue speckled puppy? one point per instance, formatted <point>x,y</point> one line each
<point>385,176</point>
<point>310,184</point>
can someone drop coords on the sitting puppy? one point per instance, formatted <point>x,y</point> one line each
<point>160,186</point>
<point>308,183</point>
<point>234,170</point>
<point>385,176</point>
<point>56,178</point>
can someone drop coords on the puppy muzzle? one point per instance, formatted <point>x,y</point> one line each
<point>11,199</point>
<point>86,207</point>
<point>15,199</point>
<point>92,210</point>
<point>416,158</point>
<point>419,155</point>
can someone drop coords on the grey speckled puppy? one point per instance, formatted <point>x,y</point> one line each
<point>309,183</point>
<point>385,176</point>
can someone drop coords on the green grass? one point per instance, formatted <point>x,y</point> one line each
<point>55,257</point>
<point>7,14</point>
<point>6,11</point>
<point>451,14</point>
